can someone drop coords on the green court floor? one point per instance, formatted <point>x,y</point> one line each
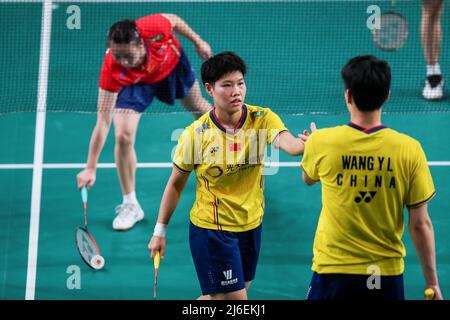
<point>291,215</point>
<point>287,72</point>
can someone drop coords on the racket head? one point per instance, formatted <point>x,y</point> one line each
<point>88,249</point>
<point>393,32</point>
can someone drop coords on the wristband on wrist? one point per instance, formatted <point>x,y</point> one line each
<point>160,230</point>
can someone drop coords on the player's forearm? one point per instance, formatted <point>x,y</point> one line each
<point>169,203</point>
<point>294,147</point>
<point>183,29</point>
<point>96,144</point>
<point>307,179</point>
<point>289,144</point>
<point>105,105</point>
<point>422,235</point>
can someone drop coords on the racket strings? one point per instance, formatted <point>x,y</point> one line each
<point>393,32</point>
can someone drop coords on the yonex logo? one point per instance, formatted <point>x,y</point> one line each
<point>214,149</point>
<point>228,274</point>
<point>366,196</point>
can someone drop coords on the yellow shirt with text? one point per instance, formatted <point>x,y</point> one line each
<point>368,176</point>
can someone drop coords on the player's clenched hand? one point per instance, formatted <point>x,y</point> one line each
<point>306,134</point>
<point>157,244</point>
<point>86,178</point>
<point>437,293</point>
<point>203,49</point>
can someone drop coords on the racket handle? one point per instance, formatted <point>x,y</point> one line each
<point>84,194</point>
<point>156,260</point>
<point>429,294</point>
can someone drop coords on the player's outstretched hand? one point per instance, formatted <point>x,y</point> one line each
<point>203,49</point>
<point>306,134</point>
<point>86,178</point>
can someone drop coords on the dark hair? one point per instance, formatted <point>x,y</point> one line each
<point>223,63</point>
<point>124,32</point>
<point>369,80</point>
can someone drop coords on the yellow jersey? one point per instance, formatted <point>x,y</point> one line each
<point>229,168</point>
<point>368,176</point>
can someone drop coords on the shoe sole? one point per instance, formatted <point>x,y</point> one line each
<point>433,98</point>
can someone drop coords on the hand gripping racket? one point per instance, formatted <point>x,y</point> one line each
<point>429,294</point>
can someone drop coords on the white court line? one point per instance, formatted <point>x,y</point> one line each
<point>154,165</point>
<point>46,25</point>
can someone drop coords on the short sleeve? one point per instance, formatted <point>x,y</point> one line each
<point>309,161</point>
<point>421,189</point>
<point>154,25</point>
<point>274,125</point>
<point>183,157</point>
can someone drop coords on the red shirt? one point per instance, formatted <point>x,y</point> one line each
<point>163,51</point>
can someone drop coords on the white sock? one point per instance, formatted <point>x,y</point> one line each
<point>433,69</point>
<point>130,198</point>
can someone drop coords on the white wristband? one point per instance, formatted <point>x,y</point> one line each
<point>160,230</point>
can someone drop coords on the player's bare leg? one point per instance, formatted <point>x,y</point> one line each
<point>431,30</point>
<point>431,43</point>
<point>125,125</point>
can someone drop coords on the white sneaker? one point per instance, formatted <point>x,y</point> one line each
<point>127,216</point>
<point>434,88</point>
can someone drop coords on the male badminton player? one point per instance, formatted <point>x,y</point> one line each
<point>369,173</point>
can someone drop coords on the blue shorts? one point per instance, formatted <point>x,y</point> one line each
<point>175,86</point>
<point>224,260</point>
<point>354,287</point>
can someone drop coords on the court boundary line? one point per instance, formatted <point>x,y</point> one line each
<point>38,161</point>
<point>155,165</point>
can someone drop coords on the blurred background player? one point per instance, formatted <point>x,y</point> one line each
<point>144,60</point>
<point>226,217</point>
<point>431,43</point>
<point>369,173</point>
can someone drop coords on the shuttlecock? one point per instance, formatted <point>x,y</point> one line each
<point>97,262</point>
